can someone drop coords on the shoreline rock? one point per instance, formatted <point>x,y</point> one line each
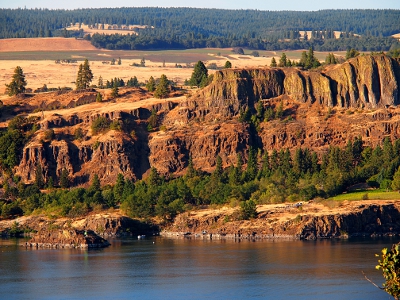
<point>66,238</point>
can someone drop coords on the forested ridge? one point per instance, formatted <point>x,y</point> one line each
<point>181,28</point>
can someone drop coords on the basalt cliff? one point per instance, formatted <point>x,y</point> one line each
<point>320,108</point>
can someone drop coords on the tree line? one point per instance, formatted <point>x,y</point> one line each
<point>178,28</point>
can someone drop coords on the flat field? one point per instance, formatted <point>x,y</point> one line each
<point>37,59</point>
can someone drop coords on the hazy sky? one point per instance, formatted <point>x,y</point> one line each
<point>229,4</point>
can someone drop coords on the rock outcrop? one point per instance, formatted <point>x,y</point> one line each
<point>320,108</point>
<point>67,238</point>
<point>311,222</point>
<point>365,81</point>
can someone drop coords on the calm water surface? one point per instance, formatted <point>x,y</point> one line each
<point>195,269</point>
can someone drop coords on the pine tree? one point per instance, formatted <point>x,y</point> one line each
<point>228,65</point>
<point>39,181</point>
<point>84,77</point>
<point>199,72</point>
<point>273,63</point>
<point>100,83</point>
<point>162,89</point>
<point>283,60</point>
<point>64,180</point>
<point>99,97</point>
<point>151,84</point>
<point>115,90</point>
<point>17,84</point>
<point>95,185</point>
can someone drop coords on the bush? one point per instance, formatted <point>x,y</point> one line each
<point>248,209</point>
<point>78,134</point>
<point>115,125</point>
<point>100,124</point>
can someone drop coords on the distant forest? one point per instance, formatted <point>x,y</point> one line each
<point>184,28</point>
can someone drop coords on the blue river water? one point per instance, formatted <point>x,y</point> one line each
<point>161,268</point>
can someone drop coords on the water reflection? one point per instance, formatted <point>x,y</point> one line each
<point>180,269</point>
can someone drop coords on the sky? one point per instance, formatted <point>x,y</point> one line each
<point>309,5</point>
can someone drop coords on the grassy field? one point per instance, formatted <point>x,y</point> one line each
<point>368,195</point>
<point>171,56</point>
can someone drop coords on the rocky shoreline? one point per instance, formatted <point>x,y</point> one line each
<point>311,221</point>
<point>69,239</point>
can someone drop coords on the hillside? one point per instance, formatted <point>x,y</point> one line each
<point>319,109</point>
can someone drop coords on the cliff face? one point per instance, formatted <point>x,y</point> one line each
<point>320,108</point>
<point>313,221</point>
<point>365,81</point>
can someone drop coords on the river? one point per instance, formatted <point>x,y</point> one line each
<point>162,268</point>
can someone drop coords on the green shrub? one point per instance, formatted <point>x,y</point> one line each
<point>49,135</point>
<point>100,124</point>
<point>78,134</point>
<point>115,125</point>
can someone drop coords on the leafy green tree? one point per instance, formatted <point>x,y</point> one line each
<point>85,76</point>
<point>200,71</point>
<point>248,209</point>
<point>390,266</point>
<point>162,88</point>
<point>17,84</point>
<point>396,180</point>
<point>151,84</point>
<point>228,65</point>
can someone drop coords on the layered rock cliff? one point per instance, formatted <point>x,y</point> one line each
<point>320,108</point>
<point>365,81</point>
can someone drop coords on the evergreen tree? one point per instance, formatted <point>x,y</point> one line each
<point>84,77</point>
<point>99,97</point>
<point>198,74</point>
<point>119,60</point>
<point>283,60</point>
<point>115,90</point>
<point>396,180</point>
<point>151,84</point>
<point>273,63</point>
<point>64,178</point>
<point>100,83</point>
<point>228,65</point>
<point>17,84</point>
<point>95,185</point>
<point>162,89</point>
<point>190,171</point>
<point>119,187</point>
<point>39,181</point>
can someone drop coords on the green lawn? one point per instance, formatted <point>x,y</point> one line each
<point>372,195</point>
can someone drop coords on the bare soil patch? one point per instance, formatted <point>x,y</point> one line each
<point>44,44</point>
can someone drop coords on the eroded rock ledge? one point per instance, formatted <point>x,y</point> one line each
<point>310,221</point>
<point>67,238</point>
